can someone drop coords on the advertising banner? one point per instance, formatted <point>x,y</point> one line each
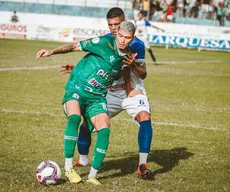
<point>190,42</point>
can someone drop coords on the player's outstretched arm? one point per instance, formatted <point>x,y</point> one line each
<point>67,68</point>
<point>153,26</point>
<point>62,49</point>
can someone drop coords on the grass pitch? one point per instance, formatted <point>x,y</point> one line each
<point>189,93</point>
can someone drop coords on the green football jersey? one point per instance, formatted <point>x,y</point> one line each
<point>95,72</point>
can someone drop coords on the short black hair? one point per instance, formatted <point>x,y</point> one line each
<point>115,12</point>
<point>141,12</point>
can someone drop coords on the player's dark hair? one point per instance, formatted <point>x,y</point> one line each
<point>141,12</point>
<point>115,12</point>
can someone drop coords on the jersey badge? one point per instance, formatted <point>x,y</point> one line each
<point>76,96</point>
<point>96,40</point>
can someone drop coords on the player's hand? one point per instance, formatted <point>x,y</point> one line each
<point>43,53</point>
<point>129,59</point>
<point>66,69</point>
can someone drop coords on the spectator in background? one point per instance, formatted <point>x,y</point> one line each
<point>146,7</point>
<point>226,10</point>
<point>206,8</point>
<point>14,18</point>
<point>180,8</point>
<point>219,13</point>
<point>194,10</point>
<point>167,15</point>
<point>158,10</point>
<point>137,7</point>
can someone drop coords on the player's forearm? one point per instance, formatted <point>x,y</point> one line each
<point>65,49</point>
<point>157,28</point>
<point>140,71</point>
<point>128,87</point>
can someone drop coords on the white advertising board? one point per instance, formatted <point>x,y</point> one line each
<point>69,29</point>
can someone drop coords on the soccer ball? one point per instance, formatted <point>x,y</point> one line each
<point>48,172</point>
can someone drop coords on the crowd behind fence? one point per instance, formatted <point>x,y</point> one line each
<point>173,10</point>
<point>200,12</point>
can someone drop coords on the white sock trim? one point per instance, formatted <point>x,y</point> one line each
<point>143,158</point>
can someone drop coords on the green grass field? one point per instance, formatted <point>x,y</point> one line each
<point>189,93</point>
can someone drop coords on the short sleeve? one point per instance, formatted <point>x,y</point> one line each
<point>147,23</point>
<point>138,47</point>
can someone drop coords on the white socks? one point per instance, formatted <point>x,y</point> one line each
<point>68,163</point>
<point>83,159</point>
<point>143,158</point>
<point>92,173</point>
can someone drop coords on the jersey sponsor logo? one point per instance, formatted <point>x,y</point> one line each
<point>100,150</point>
<point>95,83</point>
<point>76,96</point>
<point>96,40</point>
<point>117,88</point>
<point>111,58</point>
<point>104,74</point>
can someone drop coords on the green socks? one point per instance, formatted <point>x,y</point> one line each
<point>100,147</point>
<point>70,135</point>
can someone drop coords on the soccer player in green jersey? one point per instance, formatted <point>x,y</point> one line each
<point>86,91</point>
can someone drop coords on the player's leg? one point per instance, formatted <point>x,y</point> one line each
<point>83,143</point>
<point>99,117</point>
<point>147,45</point>
<point>72,110</point>
<point>138,107</point>
<point>144,142</point>
<point>84,140</point>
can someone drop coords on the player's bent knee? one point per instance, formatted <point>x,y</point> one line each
<point>143,116</point>
<point>101,121</point>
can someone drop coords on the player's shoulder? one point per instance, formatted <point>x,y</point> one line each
<point>108,35</point>
<point>137,46</point>
<point>147,22</point>
<point>102,39</point>
<point>137,43</point>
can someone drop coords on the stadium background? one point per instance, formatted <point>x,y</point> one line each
<point>188,90</point>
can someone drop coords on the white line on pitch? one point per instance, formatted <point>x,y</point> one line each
<point>188,62</point>
<point>30,68</point>
<point>116,119</point>
<point>57,66</point>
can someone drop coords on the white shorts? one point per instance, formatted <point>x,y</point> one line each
<point>114,104</point>
<point>144,39</point>
<point>206,8</point>
<point>133,105</point>
<point>136,104</point>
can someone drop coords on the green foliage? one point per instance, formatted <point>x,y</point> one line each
<point>190,113</point>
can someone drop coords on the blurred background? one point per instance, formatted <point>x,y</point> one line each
<point>199,12</point>
<point>200,24</point>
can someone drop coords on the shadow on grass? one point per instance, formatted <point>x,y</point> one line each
<point>167,159</point>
